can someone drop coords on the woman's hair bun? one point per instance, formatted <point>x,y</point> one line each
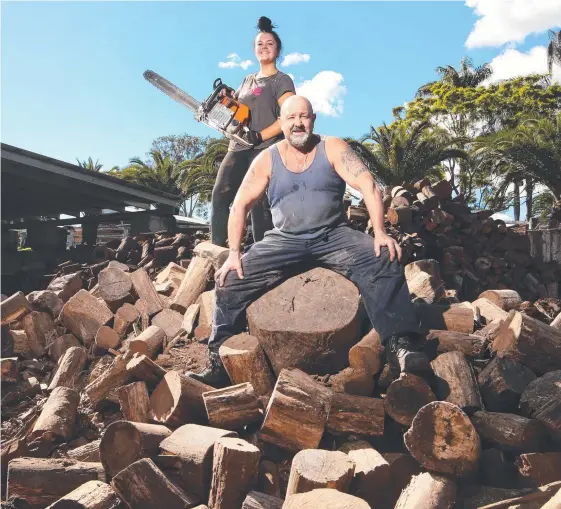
<point>265,24</point>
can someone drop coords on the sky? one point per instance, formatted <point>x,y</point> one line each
<point>71,72</point>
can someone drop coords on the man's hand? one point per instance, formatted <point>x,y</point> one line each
<point>233,262</point>
<point>253,137</point>
<point>383,239</point>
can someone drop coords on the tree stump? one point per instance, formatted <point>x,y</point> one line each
<point>125,316</point>
<point>144,369</point>
<point>428,491</point>
<point>149,342</point>
<point>69,368</point>
<point>38,328</point>
<point>193,284</point>
<point>193,445</point>
<point>91,495</point>
<point>324,498</point>
<point>470,345</point>
<point>169,321</point>
<point>443,439</point>
<point>540,467</point>
<point>57,349</point>
<point>356,414</point>
<point>134,401</point>
<point>124,443</point>
<point>308,322</point>
<point>115,285</point>
<point>505,299</point>
<point>406,396</point>
<point>366,355</point>
<point>232,407</point>
<point>245,361</point>
<point>106,338</point>
<point>257,500</point>
<point>234,472</point>
<point>58,415</point>
<point>297,412</point>
<point>146,292</point>
<point>46,301</point>
<point>14,308</point>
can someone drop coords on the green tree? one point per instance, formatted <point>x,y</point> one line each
<point>181,147</point>
<point>554,50</point>
<point>90,165</point>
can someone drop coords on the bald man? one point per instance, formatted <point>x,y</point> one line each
<point>305,176</point>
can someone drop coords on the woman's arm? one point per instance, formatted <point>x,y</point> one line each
<point>274,129</point>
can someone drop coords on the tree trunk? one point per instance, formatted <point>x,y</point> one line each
<point>516,202</point>
<point>529,198</point>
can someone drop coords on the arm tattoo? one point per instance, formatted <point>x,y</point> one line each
<point>352,162</point>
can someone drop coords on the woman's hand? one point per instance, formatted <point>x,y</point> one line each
<point>233,262</point>
<point>383,239</point>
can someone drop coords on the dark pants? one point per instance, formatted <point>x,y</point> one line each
<point>380,282</point>
<point>230,175</point>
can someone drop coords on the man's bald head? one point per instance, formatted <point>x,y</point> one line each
<point>297,120</point>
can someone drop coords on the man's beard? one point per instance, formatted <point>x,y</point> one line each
<point>301,140</point>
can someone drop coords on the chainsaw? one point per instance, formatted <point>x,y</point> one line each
<point>219,111</point>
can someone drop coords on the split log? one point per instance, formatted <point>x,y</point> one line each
<point>470,345</point>
<point>402,469</point>
<point>406,396</point>
<point>20,343</point>
<point>216,254</point>
<point>234,472</point>
<point>502,382</point>
<point>372,471</point>
<point>510,432</point>
<point>172,274</point>
<point>297,412</point>
<point>115,285</point>
<point>46,301</point>
<point>124,443</point>
<point>206,313</point>
<point>366,355</point>
<point>540,468</point>
<point>56,421</point>
<point>9,369</point>
<point>144,369</point>
<point>353,381</point>
<point>530,342</point>
<point>41,482</point>
<point>458,319</point>
<point>194,446</point>
<point>324,498</point>
<point>113,376</point>
<point>66,286</point>
<point>193,284</point>
<point>106,338</point>
<point>268,478</point>
<point>14,308</point>
<point>91,495</point>
<point>257,500</point>
<point>131,485</point>
<point>125,316</point>
<point>134,401</point>
<point>148,342</point>
<point>83,315</point>
<point>356,414</point>
<point>455,381</point>
<point>245,361</point>
<point>178,400</point>
<point>189,318</point>
<point>505,299</point>
<point>292,331</point>
<point>69,368</point>
<point>427,287</point>
<point>39,327</point>
<point>429,266</point>
<point>59,346</point>
<point>428,491</point>
<point>443,439</point>
<point>145,290</point>
<point>489,310</point>
<point>169,321</point>
<point>232,407</point>
<point>87,452</point>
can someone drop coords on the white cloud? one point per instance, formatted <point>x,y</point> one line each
<point>503,217</point>
<point>234,60</point>
<point>295,58</point>
<point>513,63</point>
<point>325,92</point>
<point>504,21</point>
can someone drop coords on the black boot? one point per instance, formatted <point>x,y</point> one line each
<point>403,357</point>
<point>215,375</point>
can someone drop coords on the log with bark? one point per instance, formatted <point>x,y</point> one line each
<point>456,319</point>
<point>14,308</point>
<point>39,329</point>
<point>115,285</point>
<point>356,414</point>
<point>58,416</point>
<point>149,342</point>
<point>111,377</point>
<point>353,381</point>
<point>402,469</point>
<point>406,396</point>
<point>206,313</point>
<point>46,301</point>
<point>232,407</point>
<point>428,491</point>
<point>91,495</point>
<point>489,310</point>
<point>86,452</point>
<point>69,368</point>
<point>125,316</point>
<point>106,338</point>
<point>193,284</point>
<point>145,290</point>
<point>66,286</point>
<point>216,254</point>
<point>170,321</point>
<point>471,345</point>
<point>58,347</point>
<point>143,369</point>
<point>540,467</point>
<point>505,299</point>
<point>367,354</point>
<point>134,401</point>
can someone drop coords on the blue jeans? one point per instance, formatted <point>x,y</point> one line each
<point>348,252</point>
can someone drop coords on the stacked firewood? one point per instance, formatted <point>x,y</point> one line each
<point>313,418</point>
<point>475,251</point>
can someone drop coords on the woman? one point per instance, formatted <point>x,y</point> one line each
<point>263,92</point>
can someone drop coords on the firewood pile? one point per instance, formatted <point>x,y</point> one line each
<point>475,251</point>
<point>313,418</point>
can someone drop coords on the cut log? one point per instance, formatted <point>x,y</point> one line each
<point>402,469</point>
<point>112,377</point>
<point>257,500</point>
<point>530,342</point>
<point>268,478</point>
<point>510,432</point>
<point>234,472</point>
<point>372,471</point>
<point>91,495</point>
<point>402,216</point>
<point>317,468</point>
<point>83,315</point>
<point>428,491</point>
<point>245,361</point>
<point>125,316</point>
<point>193,284</point>
<point>356,414</point>
<point>169,321</point>
<point>9,369</point>
<point>502,382</point>
<point>145,290</point>
<point>194,446</point>
<point>56,421</point>
<point>406,396</point>
<point>458,319</point>
<point>505,299</point>
<point>144,369</point>
<point>115,285</point>
<point>178,400</point>
<point>87,452</point>
<point>142,485</point>
<point>489,310</point>
<point>106,338</point>
<point>14,308</point>
<point>189,318</point>
<point>148,342</point>
<point>366,355</point>
<point>134,401</point>
<point>119,265</point>
<point>58,347</point>
<point>470,345</point>
<point>297,412</point>
<point>69,368</point>
<point>20,343</point>
<point>443,439</point>
<point>455,382</point>
<point>353,381</point>
<point>324,498</point>
<point>216,254</point>
<point>125,442</point>
<point>308,322</point>
<point>39,328</point>
<point>172,274</point>
<point>540,468</point>
<point>66,286</point>
<point>426,287</point>
<point>206,313</point>
<point>46,301</point>
<point>232,407</point>
<point>41,482</point>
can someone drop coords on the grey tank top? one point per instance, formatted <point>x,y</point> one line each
<point>306,204</point>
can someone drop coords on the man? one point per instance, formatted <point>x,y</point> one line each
<point>305,177</point>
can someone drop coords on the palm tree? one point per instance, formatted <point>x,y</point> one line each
<point>554,50</point>
<point>90,165</point>
<point>402,153</point>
